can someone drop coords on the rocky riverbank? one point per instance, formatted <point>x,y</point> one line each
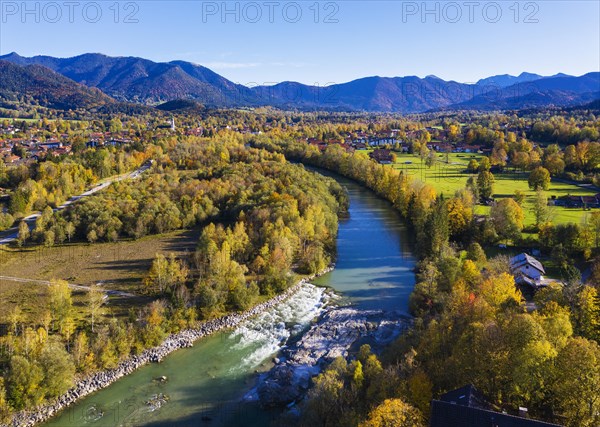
<point>174,342</point>
<point>338,332</point>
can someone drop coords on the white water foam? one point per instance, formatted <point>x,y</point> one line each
<point>267,333</point>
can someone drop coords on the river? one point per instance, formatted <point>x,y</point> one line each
<point>205,385</point>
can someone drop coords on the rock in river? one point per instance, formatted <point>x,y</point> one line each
<point>337,331</point>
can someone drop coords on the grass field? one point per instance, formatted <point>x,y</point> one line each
<point>11,119</point>
<point>118,266</point>
<point>448,177</point>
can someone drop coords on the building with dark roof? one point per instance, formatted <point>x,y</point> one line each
<point>527,270</point>
<point>569,201</point>
<point>466,407</point>
<point>382,155</point>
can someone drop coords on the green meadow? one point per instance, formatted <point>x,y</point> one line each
<point>448,177</point>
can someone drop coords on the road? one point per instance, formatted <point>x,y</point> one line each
<point>584,185</point>
<point>10,235</point>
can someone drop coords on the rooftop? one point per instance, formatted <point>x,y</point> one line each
<point>524,258</point>
<point>466,407</point>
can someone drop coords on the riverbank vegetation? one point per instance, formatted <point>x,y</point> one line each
<point>471,322</point>
<point>263,221</point>
<point>260,220</point>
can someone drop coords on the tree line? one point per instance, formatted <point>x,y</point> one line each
<point>471,324</point>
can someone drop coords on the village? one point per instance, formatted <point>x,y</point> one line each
<point>35,143</point>
<point>398,140</point>
<point>24,147</point>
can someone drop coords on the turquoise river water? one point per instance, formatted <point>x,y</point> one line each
<point>207,384</point>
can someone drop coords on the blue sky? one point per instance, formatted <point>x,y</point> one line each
<point>324,42</point>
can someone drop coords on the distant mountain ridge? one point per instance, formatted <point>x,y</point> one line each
<point>397,94</point>
<point>558,90</point>
<point>38,85</point>
<point>505,80</point>
<point>137,79</point>
<point>143,81</point>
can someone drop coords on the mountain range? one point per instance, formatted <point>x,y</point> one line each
<point>35,84</point>
<point>143,81</point>
<point>505,80</point>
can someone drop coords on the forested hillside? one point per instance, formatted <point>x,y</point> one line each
<point>37,85</point>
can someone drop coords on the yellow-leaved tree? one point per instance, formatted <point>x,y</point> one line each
<point>500,291</point>
<point>394,413</point>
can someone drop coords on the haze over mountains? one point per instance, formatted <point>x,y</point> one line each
<point>505,80</point>
<point>143,81</point>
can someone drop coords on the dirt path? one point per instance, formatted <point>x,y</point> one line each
<point>71,285</point>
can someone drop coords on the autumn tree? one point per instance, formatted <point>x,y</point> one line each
<point>554,318</point>
<point>426,297</point>
<point>500,290</point>
<point>520,160</point>
<point>575,389</point>
<point>24,382</point>
<point>473,166</point>
<point>531,365</point>
<point>4,407</point>
<point>23,233</point>
<point>586,313</point>
<point>326,396</point>
<point>460,215</point>
<point>540,208</point>
<point>594,224</point>
<point>484,164</point>
<point>431,159</point>
<point>224,283</point>
<point>6,220</point>
<point>553,159</point>
<point>61,306</point>
<point>16,318</point>
<point>507,217</point>
<point>485,184</point>
<point>470,273</point>
<point>437,228</point>
<point>83,356</point>
<point>154,319</point>
<point>476,254</point>
<point>472,186</point>
<point>59,370</point>
<point>453,132</point>
<point>519,197</point>
<point>394,412</point>
<point>165,274</point>
<point>104,349</point>
<point>420,390</point>
<point>95,301</point>
<point>69,230</point>
<point>539,178</point>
